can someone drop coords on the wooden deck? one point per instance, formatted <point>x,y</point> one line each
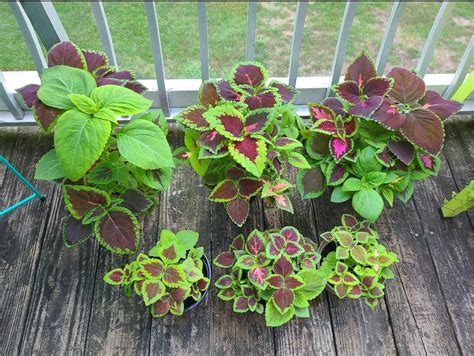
<point>53,300</point>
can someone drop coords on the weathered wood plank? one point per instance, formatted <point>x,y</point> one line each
<point>22,237</point>
<point>184,206</point>
<point>314,333</point>
<point>417,308</point>
<point>449,243</point>
<point>357,329</point>
<point>232,333</point>
<point>459,151</point>
<point>8,137</point>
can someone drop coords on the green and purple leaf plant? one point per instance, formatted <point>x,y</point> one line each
<point>272,273</point>
<point>357,266</point>
<point>175,274</point>
<point>240,136</point>
<point>371,142</point>
<point>109,173</point>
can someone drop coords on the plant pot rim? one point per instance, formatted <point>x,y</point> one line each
<point>207,270</point>
<point>321,248</point>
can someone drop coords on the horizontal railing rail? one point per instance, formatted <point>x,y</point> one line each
<point>40,23</point>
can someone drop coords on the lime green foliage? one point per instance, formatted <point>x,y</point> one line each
<point>466,88</point>
<point>171,273</point>
<point>272,273</point>
<point>460,202</point>
<point>359,266</point>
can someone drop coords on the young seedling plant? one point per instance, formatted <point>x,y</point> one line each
<point>359,266</point>
<point>109,173</point>
<point>375,139</point>
<point>239,138</point>
<point>170,278</point>
<point>272,273</point>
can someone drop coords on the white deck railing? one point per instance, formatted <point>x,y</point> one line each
<point>39,21</point>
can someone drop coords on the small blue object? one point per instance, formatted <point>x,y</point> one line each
<point>36,193</point>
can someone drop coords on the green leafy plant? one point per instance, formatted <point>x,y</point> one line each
<point>239,138</point>
<point>172,277</point>
<point>460,202</point>
<point>272,273</point>
<point>375,139</point>
<point>358,265</point>
<point>109,173</point>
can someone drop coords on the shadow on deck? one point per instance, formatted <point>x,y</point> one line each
<point>53,300</point>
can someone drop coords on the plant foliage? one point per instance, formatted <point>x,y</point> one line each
<point>378,136</point>
<point>358,266</point>
<point>272,273</point>
<point>169,277</point>
<point>109,173</point>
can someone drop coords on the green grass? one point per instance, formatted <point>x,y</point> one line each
<point>227,35</point>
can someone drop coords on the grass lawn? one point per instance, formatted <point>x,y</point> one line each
<point>227,35</point>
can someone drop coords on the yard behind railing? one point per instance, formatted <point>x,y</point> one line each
<point>39,22</point>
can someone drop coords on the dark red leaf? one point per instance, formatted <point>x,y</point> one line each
<point>225,259</point>
<point>292,282</point>
<point>45,115</point>
<point>361,70</point>
<point>249,74</point>
<point>312,182</point>
<point>241,304</point>
<point>292,249</point>
<point>265,100</point>
<point>232,124</point>
<point>384,157</point>
<point>258,275</point>
<point>238,210</point>
<point>320,143</point>
<point>349,91</point>
<point>407,87</point>
<point>173,276</point>
<point>247,147</point>
<point>160,308</point>
<point>95,59</point>
<point>192,117</point>
<point>287,92</point>
<point>283,267</point>
<point>283,299</point>
<point>152,268</point>
<point>108,81</point>
<point>136,86</point>
<point>208,95</point>
<point>235,173</point>
<point>74,232</point>
<point>424,129</point>
<point>349,220</point>
<point>211,140</point>
<point>66,53</point>
<point>444,108</point>
<point>403,150</point>
<point>255,243</point>
<point>339,148</point>
<point>226,91</point>
<point>81,199</point>
<point>136,201</point>
<point>276,281</point>
<point>388,116</point>
<point>289,233</point>
<point>366,108</point>
<point>257,121</point>
<point>224,191</point>
<point>319,112</point>
<point>238,243</point>
<point>123,75</point>
<point>427,161</point>
<point>335,105</point>
<point>337,173</point>
<point>248,187</point>
<point>377,87</point>
<point>118,231</point>
<point>178,294</point>
<point>29,94</point>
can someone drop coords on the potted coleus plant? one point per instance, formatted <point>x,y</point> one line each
<point>375,139</point>
<point>356,264</point>
<point>239,137</point>
<point>173,278</point>
<point>272,273</point>
<point>109,173</point>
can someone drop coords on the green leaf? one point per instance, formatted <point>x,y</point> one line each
<point>359,254</point>
<point>59,81</point>
<point>79,140</point>
<point>387,193</point>
<point>106,172</point>
<point>143,144</point>
<point>375,178</point>
<point>49,167</point>
<point>107,114</point>
<point>315,282</point>
<point>406,194</point>
<point>368,203</point>
<point>120,100</point>
<point>84,103</point>
<point>352,185</point>
<point>274,318</point>
<point>297,160</point>
<point>340,196</point>
<point>302,312</point>
<point>187,238</point>
<point>367,162</point>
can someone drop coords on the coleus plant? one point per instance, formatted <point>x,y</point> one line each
<point>109,173</point>
<point>372,141</point>
<point>272,273</point>
<point>171,277</point>
<point>239,137</point>
<point>358,265</point>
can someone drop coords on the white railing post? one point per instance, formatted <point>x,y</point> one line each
<point>157,55</point>
<point>251,29</point>
<point>341,45</point>
<point>301,9</point>
<point>466,61</point>
<point>203,41</point>
<point>104,31</point>
<point>9,100</point>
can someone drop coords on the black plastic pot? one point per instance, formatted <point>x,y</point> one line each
<point>190,303</point>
